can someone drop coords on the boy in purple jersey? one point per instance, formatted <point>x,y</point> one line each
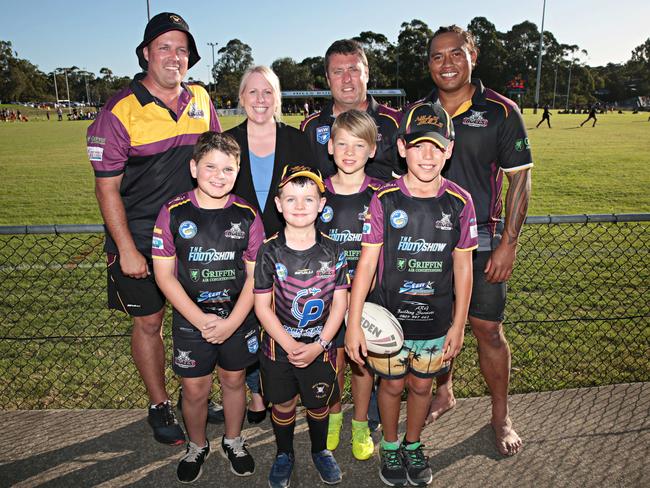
<point>204,246</point>
<point>301,284</point>
<point>348,193</point>
<point>418,237</point>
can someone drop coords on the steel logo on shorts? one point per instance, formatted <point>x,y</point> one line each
<point>281,271</point>
<point>187,229</point>
<point>399,219</point>
<point>183,359</point>
<point>327,214</point>
<point>320,389</point>
<point>252,344</point>
<point>323,134</point>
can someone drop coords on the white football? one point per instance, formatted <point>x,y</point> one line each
<point>382,330</point>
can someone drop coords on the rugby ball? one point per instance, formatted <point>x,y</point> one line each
<point>381,329</point>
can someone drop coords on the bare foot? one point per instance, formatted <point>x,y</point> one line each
<point>507,440</point>
<point>440,405</point>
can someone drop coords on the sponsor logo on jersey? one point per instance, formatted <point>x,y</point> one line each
<point>311,311</point>
<point>320,389</point>
<point>367,228</point>
<point>341,261</point>
<point>325,270</point>
<point>362,215</point>
<point>197,254</point>
<point>323,134</point>
<point>195,112</point>
<point>473,231</point>
<point>444,223</point>
<point>521,144</point>
<point>417,266</point>
<point>235,231</point>
<point>327,214</point>
<point>95,153</point>
<point>221,296</point>
<point>157,243</point>
<point>195,274</point>
<point>344,236</point>
<point>96,140</point>
<point>303,272</point>
<point>209,275</point>
<point>183,359</point>
<point>399,219</point>
<point>406,243</point>
<point>413,288</point>
<point>476,119</point>
<point>281,271</point>
<point>187,229</point>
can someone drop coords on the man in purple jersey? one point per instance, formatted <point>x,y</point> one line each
<point>140,146</point>
<point>491,141</point>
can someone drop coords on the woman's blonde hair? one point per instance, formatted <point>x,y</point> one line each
<point>272,79</point>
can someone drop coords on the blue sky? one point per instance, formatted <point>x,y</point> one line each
<point>92,34</point>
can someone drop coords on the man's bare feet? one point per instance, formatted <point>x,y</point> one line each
<point>440,404</point>
<point>507,441</point>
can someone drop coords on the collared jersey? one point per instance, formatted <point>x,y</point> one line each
<point>417,238</point>
<point>303,285</point>
<point>210,248</point>
<point>490,139</point>
<point>343,217</point>
<point>317,128</point>
<point>137,136</point>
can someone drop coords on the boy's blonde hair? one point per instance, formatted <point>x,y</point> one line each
<point>357,123</point>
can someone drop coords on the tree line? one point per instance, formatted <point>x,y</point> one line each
<point>507,62</point>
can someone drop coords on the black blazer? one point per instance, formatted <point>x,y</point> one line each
<point>290,148</point>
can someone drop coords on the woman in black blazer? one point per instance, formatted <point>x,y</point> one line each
<point>267,145</point>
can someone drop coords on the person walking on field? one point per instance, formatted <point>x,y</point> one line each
<point>546,116</point>
<point>592,115</point>
<point>491,141</point>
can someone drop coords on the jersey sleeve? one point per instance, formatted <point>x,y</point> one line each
<point>162,242</point>
<point>108,145</point>
<point>342,276</point>
<point>255,239</point>
<point>468,240</point>
<point>513,144</point>
<point>373,227</point>
<point>264,270</point>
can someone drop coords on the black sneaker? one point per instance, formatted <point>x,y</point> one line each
<point>164,424</point>
<point>417,466</point>
<point>215,411</point>
<point>392,470</point>
<point>191,465</point>
<point>241,462</point>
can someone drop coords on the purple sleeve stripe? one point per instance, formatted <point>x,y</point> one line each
<point>259,291</point>
<point>342,287</point>
<point>159,147</point>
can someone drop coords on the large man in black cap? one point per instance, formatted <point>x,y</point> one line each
<point>140,146</point>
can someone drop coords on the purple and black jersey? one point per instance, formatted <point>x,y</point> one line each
<point>418,237</point>
<point>303,285</point>
<point>343,217</point>
<point>210,248</point>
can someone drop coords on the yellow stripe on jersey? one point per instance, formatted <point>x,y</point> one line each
<point>466,248</point>
<point>387,190</point>
<point>164,257</point>
<point>241,205</point>
<point>309,119</point>
<point>391,118</point>
<point>516,168</point>
<point>462,199</point>
<point>372,244</point>
<point>505,109</point>
<point>274,236</point>
<point>157,230</point>
<point>464,107</point>
<point>178,204</point>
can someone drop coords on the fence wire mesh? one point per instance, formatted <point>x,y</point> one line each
<point>578,315</point>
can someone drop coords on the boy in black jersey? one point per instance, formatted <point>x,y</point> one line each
<point>301,283</point>
<point>419,234</point>
<point>348,193</point>
<point>204,246</point>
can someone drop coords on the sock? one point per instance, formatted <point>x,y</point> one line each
<point>284,424</point>
<point>336,417</point>
<point>389,446</point>
<point>359,424</point>
<point>155,405</point>
<point>318,420</point>
<point>410,446</point>
<point>229,442</point>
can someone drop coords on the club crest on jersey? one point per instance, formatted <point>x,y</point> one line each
<point>183,360</point>
<point>252,345</point>
<point>311,311</point>
<point>187,229</point>
<point>281,271</point>
<point>235,231</point>
<point>327,214</point>
<point>476,119</point>
<point>399,219</point>
<point>445,222</point>
<point>325,270</point>
<point>362,215</point>
<point>194,275</point>
<point>195,112</point>
<point>401,264</point>
<point>323,134</point>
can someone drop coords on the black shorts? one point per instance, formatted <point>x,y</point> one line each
<point>316,384</point>
<point>339,338</point>
<point>137,297</point>
<point>195,357</point>
<point>488,299</point>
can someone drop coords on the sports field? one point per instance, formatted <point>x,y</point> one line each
<point>46,177</point>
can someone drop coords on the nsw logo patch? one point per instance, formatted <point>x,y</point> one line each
<point>323,134</point>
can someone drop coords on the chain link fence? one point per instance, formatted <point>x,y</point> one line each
<point>578,315</point>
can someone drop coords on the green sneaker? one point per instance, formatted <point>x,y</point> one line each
<point>362,445</point>
<point>334,430</point>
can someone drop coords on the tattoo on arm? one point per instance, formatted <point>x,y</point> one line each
<point>517,203</point>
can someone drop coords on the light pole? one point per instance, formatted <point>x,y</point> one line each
<point>214,82</point>
<point>56,90</point>
<point>568,86</point>
<point>539,60</point>
<point>554,86</point>
<point>67,88</point>
<point>85,75</point>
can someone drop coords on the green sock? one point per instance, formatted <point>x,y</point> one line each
<point>389,446</point>
<point>359,424</point>
<point>336,416</point>
<point>411,446</point>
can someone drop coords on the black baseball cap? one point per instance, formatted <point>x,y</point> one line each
<point>427,121</point>
<point>161,23</point>
<point>291,172</point>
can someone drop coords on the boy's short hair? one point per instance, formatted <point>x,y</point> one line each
<point>301,175</point>
<point>345,46</point>
<point>216,141</point>
<point>357,123</point>
<point>467,36</point>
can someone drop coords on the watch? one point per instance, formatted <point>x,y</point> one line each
<point>326,345</point>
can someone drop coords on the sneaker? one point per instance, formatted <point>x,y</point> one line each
<point>165,427</point>
<point>215,411</point>
<point>280,475</point>
<point>362,445</point>
<point>392,471</point>
<point>334,425</point>
<point>417,466</point>
<point>327,468</point>
<point>241,462</point>
<point>191,465</point>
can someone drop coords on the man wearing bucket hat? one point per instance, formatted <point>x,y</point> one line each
<point>140,146</point>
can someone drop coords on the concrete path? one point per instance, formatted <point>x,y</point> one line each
<point>574,438</point>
